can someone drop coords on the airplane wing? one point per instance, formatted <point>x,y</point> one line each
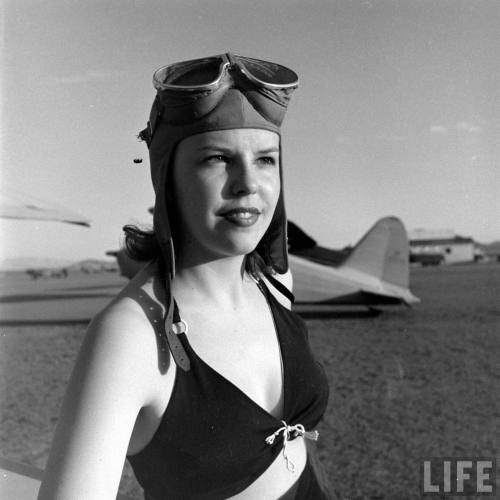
<point>15,205</point>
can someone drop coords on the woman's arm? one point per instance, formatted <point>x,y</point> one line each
<point>106,391</point>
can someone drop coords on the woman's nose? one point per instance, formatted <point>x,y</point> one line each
<point>244,179</point>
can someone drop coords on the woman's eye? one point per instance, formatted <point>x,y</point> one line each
<point>267,160</point>
<point>217,159</point>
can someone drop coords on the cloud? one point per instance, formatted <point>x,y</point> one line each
<point>438,129</point>
<point>84,77</point>
<point>468,127</point>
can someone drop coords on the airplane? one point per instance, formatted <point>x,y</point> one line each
<point>374,272</point>
<point>16,205</point>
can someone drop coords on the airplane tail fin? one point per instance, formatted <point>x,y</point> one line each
<point>383,252</point>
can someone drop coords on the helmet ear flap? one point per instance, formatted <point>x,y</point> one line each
<point>273,252</point>
<point>273,247</point>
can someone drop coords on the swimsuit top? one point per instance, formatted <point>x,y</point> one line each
<point>211,442</point>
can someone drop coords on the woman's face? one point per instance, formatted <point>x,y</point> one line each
<point>226,186</point>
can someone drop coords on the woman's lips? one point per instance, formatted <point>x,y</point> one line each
<point>242,217</point>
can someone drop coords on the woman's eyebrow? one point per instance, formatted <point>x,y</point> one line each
<point>266,151</point>
<point>224,149</point>
<point>213,147</point>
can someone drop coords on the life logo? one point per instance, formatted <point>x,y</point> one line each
<point>458,476</point>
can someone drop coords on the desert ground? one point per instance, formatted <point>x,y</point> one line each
<point>405,385</point>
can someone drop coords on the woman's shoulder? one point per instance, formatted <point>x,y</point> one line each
<point>124,317</point>
<point>130,308</point>
<point>128,329</point>
<point>114,377</point>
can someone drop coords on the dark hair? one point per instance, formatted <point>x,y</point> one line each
<point>142,245</point>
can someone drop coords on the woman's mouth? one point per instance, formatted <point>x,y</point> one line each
<point>242,217</point>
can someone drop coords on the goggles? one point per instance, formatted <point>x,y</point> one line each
<point>187,91</point>
<point>207,74</point>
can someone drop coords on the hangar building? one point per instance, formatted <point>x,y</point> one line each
<point>435,246</point>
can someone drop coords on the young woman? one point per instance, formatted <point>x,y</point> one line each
<point>198,372</point>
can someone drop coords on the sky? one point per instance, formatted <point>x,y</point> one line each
<point>397,112</point>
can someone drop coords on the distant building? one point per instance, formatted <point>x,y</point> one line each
<point>436,246</point>
<point>489,252</point>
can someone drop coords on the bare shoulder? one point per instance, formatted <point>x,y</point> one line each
<point>120,335</point>
<point>129,328</point>
<point>120,348</point>
<point>113,379</point>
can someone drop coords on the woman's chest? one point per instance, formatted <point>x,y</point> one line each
<point>245,350</point>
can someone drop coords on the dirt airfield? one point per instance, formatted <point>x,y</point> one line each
<point>405,385</point>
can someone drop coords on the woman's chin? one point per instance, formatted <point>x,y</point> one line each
<point>222,244</point>
<point>241,242</point>
<point>241,248</point>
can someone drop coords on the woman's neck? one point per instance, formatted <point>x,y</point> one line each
<point>219,281</point>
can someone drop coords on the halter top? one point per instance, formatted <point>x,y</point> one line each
<point>213,440</point>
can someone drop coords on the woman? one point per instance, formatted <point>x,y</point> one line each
<point>212,394</point>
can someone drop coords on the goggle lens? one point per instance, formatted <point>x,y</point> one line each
<point>268,72</point>
<point>190,73</point>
